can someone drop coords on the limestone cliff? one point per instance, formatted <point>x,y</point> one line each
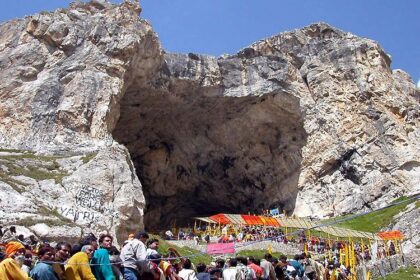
<point>313,121</point>
<point>62,77</point>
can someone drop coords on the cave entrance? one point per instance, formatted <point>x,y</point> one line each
<point>199,155</point>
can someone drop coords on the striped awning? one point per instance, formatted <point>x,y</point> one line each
<point>205,219</point>
<point>221,219</point>
<point>299,223</point>
<point>391,235</point>
<point>296,222</point>
<point>237,219</point>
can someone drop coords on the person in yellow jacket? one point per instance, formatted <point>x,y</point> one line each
<point>78,267</point>
<point>10,268</point>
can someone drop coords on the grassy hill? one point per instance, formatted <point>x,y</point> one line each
<point>375,221</point>
<point>406,273</point>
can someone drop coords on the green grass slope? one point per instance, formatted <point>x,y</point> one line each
<point>375,221</point>
<point>406,273</point>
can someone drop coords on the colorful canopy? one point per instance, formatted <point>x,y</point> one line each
<point>391,235</point>
<point>296,222</point>
<point>236,219</point>
<point>205,219</point>
<point>300,223</point>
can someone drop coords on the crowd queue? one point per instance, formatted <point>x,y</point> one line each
<point>98,258</point>
<point>312,244</point>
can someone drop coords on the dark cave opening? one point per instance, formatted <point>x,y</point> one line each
<point>199,155</point>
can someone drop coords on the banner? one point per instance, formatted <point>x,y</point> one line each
<point>220,248</point>
<point>274,212</point>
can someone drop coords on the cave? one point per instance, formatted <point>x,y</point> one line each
<point>198,152</point>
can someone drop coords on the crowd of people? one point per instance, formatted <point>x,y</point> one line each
<point>139,258</point>
<point>229,234</point>
<point>301,267</point>
<point>30,258</point>
<point>313,244</point>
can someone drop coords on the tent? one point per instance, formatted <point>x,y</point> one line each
<point>298,223</point>
<point>237,219</point>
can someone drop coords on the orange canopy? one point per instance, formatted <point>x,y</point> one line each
<point>220,219</point>
<point>236,219</point>
<point>391,235</point>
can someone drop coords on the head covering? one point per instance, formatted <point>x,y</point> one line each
<point>12,247</point>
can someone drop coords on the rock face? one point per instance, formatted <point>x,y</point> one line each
<point>95,192</point>
<point>63,75</point>
<point>408,222</point>
<point>313,121</point>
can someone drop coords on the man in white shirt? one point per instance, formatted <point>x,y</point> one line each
<point>169,235</point>
<point>152,246</point>
<point>268,268</point>
<point>232,272</point>
<point>133,256</point>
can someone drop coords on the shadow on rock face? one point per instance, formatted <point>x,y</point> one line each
<point>197,155</point>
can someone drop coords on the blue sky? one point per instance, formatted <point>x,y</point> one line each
<point>225,26</point>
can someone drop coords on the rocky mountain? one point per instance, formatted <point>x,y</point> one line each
<point>100,128</point>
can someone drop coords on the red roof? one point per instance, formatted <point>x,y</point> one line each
<point>236,219</point>
<point>391,235</point>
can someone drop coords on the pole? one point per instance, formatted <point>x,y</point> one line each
<point>329,246</point>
